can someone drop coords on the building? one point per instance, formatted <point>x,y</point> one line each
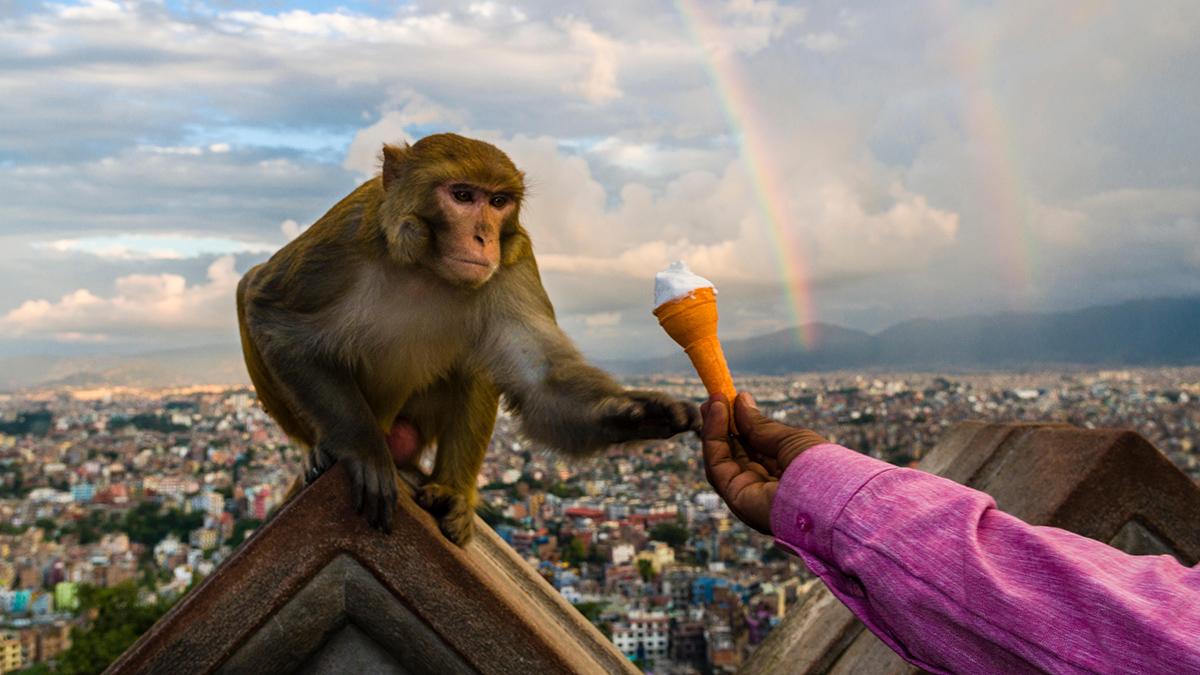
<point>687,642</point>
<point>644,635</point>
<point>82,493</point>
<point>204,538</point>
<point>11,656</point>
<point>723,652</point>
<point>659,555</point>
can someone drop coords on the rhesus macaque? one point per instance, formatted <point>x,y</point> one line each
<point>416,301</point>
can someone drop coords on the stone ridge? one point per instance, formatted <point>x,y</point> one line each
<point>483,603</point>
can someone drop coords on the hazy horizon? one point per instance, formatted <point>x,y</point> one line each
<point>851,165</point>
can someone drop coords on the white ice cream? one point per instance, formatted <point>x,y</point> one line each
<point>677,281</point>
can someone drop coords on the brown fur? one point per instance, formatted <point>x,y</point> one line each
<point>361,319</point>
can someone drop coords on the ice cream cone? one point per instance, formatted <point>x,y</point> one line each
<point>691,321</point>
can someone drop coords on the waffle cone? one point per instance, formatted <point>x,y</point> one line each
<point>692,323</point>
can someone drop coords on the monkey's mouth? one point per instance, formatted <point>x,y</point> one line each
<point>473,261</point>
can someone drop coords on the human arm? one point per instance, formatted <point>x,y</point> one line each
<point>954,585</point>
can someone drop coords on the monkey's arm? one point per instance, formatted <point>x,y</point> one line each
<point>562,400</point>
<point>328,403</point>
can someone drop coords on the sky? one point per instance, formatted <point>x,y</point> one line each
<point>856,164</point>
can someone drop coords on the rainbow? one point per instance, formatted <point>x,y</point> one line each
<point>754,146</point>
<point>999,170</point>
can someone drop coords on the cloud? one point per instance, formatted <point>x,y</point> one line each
<point>599,84</point>
<point>402,112</point>
<point>824,42</point>
<point>141,302</point>
<point>156,246</point>
<point>602,319</point>
<point>854,217</point>
<point>291,229</point>
<point>909,159</point>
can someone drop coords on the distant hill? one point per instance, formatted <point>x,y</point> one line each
<point>177,367</point>
<point>1135,333</point>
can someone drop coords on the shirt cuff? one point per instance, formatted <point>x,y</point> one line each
<point>814,489</point>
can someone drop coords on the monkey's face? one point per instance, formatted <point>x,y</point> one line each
<point>468,242</point>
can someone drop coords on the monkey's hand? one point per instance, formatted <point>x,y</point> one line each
<point>647,414</point>
<point>372,476</point>
<point>453,509</point>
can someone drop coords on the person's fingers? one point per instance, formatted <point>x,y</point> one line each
<point>761,433</point>
<point>771,442</point>
<point>719,465</point>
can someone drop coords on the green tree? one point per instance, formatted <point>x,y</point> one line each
<point>646,569</point>
<point>240,527</point>
<point>673,534</point>
<point>591,610</point>
<point>120,617</point>
<point>575,551</point>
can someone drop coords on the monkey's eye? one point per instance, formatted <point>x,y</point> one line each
<point>463,196</point>
<point>499,201</point>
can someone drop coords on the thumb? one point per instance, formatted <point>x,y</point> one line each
<point>762,433</point>
<point>768,437</point>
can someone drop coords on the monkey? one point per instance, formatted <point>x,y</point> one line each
<point>416,300</point>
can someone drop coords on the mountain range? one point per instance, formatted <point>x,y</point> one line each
<point>1135,333</point>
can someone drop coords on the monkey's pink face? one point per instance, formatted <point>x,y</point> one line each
<point>470,244</point>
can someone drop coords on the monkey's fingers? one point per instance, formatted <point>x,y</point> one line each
<point>647,414</point>
<point>386,499</point>
<point>318,462</point>
<point>374,490</point>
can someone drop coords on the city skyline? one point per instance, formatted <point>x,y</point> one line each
<point>108,487</point>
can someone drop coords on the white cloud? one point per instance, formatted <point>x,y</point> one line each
<point>843,217</point>
<point>599,84</point>
<point>155,246</point>
<point>824,42</point>
<point>291,229</point>
<point>602,319</point>
<point>141,302</point>
<point>403,111</point>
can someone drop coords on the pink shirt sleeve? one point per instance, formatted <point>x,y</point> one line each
<point>954,585</point>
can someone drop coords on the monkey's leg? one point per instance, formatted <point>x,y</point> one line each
<point>343,429</point>
<point>451,493</point>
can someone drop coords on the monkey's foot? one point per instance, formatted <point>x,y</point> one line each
<point>454,511</point>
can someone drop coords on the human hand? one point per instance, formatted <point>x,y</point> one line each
<point>745,470</point>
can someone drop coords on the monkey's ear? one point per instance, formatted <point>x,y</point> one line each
<point>514,247</point>
<point>393,160</point>
<point>407,239</point>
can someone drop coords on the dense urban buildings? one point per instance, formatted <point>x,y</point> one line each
<point>109,488</point>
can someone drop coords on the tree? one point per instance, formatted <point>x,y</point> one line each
<point>591,610</point>
<point>646,569</point>
<point>673,534</point>
<point>120,617</point>
<point>240,527</point>
<point>575,552</point>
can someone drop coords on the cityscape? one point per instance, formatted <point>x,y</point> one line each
<point>119,495</point>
